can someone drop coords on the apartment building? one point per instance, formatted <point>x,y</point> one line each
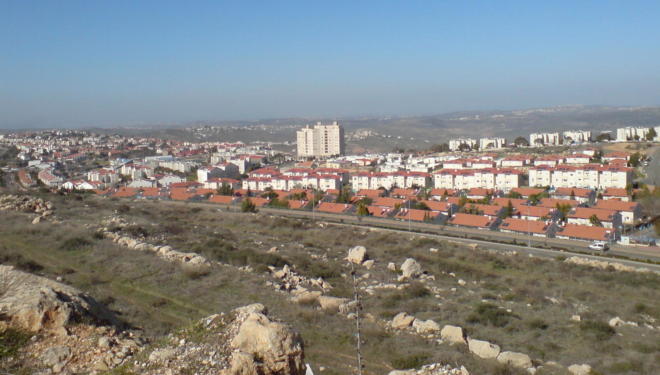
<point>591,176</point>
<point>455,144</point>
<point>544,139</point>
<point>491,143</point>
<point>630,133</point>
<point>576,136</point>
<point>488,178</point>
<point>320,140</point>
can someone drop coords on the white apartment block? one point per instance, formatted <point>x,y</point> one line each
<point>491,143</point>
<point>588,176</point>
<point>577,136</point>
<point>455,144</point>
<point>631,133</point>
<point>544,139</point>
<point>320,140</point>
<point>489,178</point>
<point>388,180</point>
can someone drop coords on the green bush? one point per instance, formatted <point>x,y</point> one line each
<point>599,330</point>
<point>489,314</point>
<point>11,340</point>
<point>75,243</point>
<point>410,361</point>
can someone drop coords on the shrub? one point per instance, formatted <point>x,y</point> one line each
<point>410,361</point>
<point>75,243</point>
<point>537,324</point>
<point>417,290</point>
<point>599,330</point>
<point>489,314</point>
<point>11,340</point>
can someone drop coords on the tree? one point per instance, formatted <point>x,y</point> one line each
<point>521,141</point>
<point>509,210</point>
<point>563,209</point>
<point>443,147</point>
<point>464,147</point>
<point>280,203</point>
<point>595,221</point>
<point>344,196</point>
<point>604,137</point>
<point>421,206</point>
<point>514,194</point>
<point>362,210</point>
<point>248,206</point>
<point>225,189</point>
<point>651,134</point>
<point>269,194</point>
<point>635,160</point>
<point>572,195</point>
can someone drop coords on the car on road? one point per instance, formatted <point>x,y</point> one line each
<point>599,246</point>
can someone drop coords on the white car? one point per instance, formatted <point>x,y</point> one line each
<point>599,246</point>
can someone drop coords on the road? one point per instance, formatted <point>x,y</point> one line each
<point>492,240</point>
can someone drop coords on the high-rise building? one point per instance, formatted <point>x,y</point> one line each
<point>320,140</point>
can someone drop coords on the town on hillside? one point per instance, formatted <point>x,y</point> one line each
<point>570,185</point>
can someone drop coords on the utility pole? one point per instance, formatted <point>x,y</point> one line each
<point>358,308</point>
<point>529,234</point>
<point>409,224</point>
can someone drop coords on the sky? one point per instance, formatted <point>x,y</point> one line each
<point>124,63</point>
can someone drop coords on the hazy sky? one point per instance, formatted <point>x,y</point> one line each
<point>79,63</point>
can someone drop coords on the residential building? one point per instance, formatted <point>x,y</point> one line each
<point>458,144</point>
<point>320,140</point>
<point>544,139</point>
<point>491,143</point>
<point>576,136</point>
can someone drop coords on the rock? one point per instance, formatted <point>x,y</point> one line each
<point>266,347</point>
<point>410,268</point>
<point>162,355</point>
<point>616,322</point>
<point>391,266</point>
<point>453,334</point>
<point>36,304</point>
<point>253,308</point>
<point>36,220</point>
<point>464,371</point>
<point>402,320</point>
<point>583,369</point>
<point>425,326</point>
<point>483,349</point>
<point>308,297</point>
<point>461,282</point>
<point>520,360</point>
<point>357,254</point>
<point>576,318</point>
<point>100,366</point>
<point>55,355</point>
<point>369,263</point>
<point>329,303</point>
<point>272,249</point>
<point>401,372</point>
<point>104,342</point>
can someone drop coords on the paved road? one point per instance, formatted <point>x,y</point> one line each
<point>543,247</point>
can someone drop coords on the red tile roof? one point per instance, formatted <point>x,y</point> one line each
<point>502,201</point>
<point>615,205</point>
<point>471,220</point>
<point>387,202</point>
<point>416,215</point>
<point>371,193</point>
<point>585,232</point>
<point>526,226</point>
<point>552,202</point>
<point>527,191</point>
<point>221,199</point>
<point>125,192</point>
<point>336,208</point>
<point>437,205</point>
<point>578,192</point>
<point>586,213</point>
<point>485,209</point>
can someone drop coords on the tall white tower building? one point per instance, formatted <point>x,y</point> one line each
<point>320,140</point>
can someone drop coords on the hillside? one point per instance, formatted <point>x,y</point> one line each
<point>161,268</point>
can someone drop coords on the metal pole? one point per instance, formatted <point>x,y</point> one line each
<point>409,225</point>
<point>529,234</point>
<point>358,307</point>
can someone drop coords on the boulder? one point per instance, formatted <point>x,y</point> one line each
<point>453,334</point>
<point>410,268</point>
<point>162,355</point>
<point>266,347</point>
<point>616,322</point>
<point>36,220</point>
<point>357,254</point>
<point>520,360</point>
<point>425,326</point>
<point>306,298</point>
<point>582,369</point>
<point>369,263</point>
<point>401,372</point>
<point>391,266</point>
<point>402,320</point>
<point>251,309</point>
<point>55,355</point>
<point>36,304</point>
<point>483,349</point>
<point>329,303</point>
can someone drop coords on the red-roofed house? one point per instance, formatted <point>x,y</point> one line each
<point>222,199</point>
<point>583,215</point>
<point>533,227</point>
<point>416,215</point>
<point>526,192</point>
<point>473,221</point>
<point>581,195</point>
<point>335,208</point>
<point>630,212</point>
<point>616,194</point>
<point>585,232</point>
